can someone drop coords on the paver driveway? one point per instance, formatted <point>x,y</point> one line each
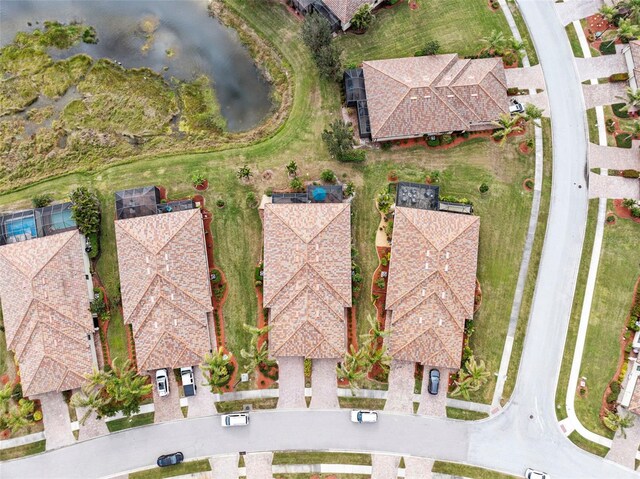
<point>57,423</point>
<point>614,187</point>
<point>601,67</point>
<point>431,405</point>
<point>384,466</point>
<point>401,386</point>
<point>525,78</point>
<point>202,403</point>
<point>613,158</point>
<point>603,94</point>
<point>323,384</point>
<point>291,382</point>
<point>224,467</point>
<point>571,10</point>
<point>93,427</point>
<point>167,408</point>
<point>259,465</point>
<point>624,449</point>
<point>418,468</point>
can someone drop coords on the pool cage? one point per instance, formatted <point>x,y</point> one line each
<point>146,201</point>
<point>319,7</point>
<point>356,95</point>
<point>36,223</point>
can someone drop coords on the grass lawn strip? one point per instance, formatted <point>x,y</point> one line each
<point>576,311</point>
<point>233,406</point>
<point>21,451</point>
<point>400,31</point>
<point>532,274</point>
<point>574,41</point>
<point>465,415</point>
<point>471,472</point>
<point>587,445</point>
<point>524,33</point>
<point>617,274</point>
<point>316,457</point>
<point>189,467</point>
<point>361,403</point>
<point>133,421</point>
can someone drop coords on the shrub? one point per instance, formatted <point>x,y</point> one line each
<point>619,110</point>
<point>269,191</point>
<point>251,199</point>
<point>40,201</point>
<point>328,176</point>
<point>215,276</point>
<point>349,188</point>
<point>512,91</point>
<point>384,200</point>
<point>37,416</point>
<point>628,202</point>
<point>220,203</point>
<point>353,156</point>
<point>389,229</point>
<point>619,77</point>
<point>16,392</point>
<point>307,367</point>
<point>529,184</point>
<point>85,210</point>
<point>296,184</point>
<point>610,125</point>
<point>292,168</point>
<point>631,173</point>
<point>433,141</point>
<point>615,387</point>
<point>244,173</point>
<point>635,211</point>
<point>385,145</point>
<point>484,188</point>
<point>446,139</point>
<point>198,179</point>
<point>363,17</point>
<point>608,48</point>
<point>384,261</point>
<point>98,305</point>
<point>380,283</point>
<point>465,134</point>
<point>338,138</point>
<point>94,244</point>
<point>432,47</point>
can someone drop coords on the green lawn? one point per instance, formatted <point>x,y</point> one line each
<point>524,33</point>
<point>465,415</point>
<point>592,122</point>
<point>471,472</point>
<point>617,274</point>
<point>189,467</point>
<point>361,403</point>
<point>133,421</point>
<point>587,445</point>
<point>20,451</point>
<point>534,263</point>
<point>233,406</point>
<point>576,311</point>
<point>573,40</point>
<point>313,457</point>
<point>458,25</point>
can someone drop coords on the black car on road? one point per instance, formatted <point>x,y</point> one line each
<point>434,381</point>
<point>170,459</point>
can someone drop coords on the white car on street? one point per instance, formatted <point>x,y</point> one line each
<point>533,474</point>
<point>235,419</point>
<point>364,416</point>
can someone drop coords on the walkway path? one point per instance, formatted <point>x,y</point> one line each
<point>613,158</point>
<point>572,10</point>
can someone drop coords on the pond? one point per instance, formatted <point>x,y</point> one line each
<point>176,38</point>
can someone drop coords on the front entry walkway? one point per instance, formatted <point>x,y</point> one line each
<point>57,423</point>
<point>613,158</point>
<point>600,67</point>
<point>291,382</point>
<point>613,187</point>
<point>624,450</point>
<point>167,408</point>
<point>323,384</point>
<point>571,10</point>
<point>603,94</point>
<point>527,78</point>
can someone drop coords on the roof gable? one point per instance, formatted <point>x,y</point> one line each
<point>345,9</point>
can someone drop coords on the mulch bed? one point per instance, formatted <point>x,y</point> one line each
<point>203,187</point>
<point>524,184</point>
<point>623,212</point>
<point>477,298</point>
<point>524,148</point>
<point>456,141</point>
<point>597,23</point>
<point>610,214</point>
<point>413,4</point>
<point>379,303</point>
<point>263,382</point>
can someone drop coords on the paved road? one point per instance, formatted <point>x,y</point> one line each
<point>525,434</point>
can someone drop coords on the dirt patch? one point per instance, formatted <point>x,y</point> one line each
<point>524,148</point>
<point>413,4</point>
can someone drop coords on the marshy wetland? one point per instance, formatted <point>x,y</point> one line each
<point>92,82</point>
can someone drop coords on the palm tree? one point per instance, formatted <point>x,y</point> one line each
<point>635,131</point>
<point>375,331</point>
<point>478,374</point>
<point>627,31</point>
<point>20,417</point>
<point>495,42</point>
<point>608,13</point>
<point>353,368</point>
<point>516,46</point>
<point>244,172</point>
<point>507,124</point>
<point>632,99</point>
<point>215,367</point>
<point>633,9</point>
<point>292,168</point>
<point>363,17</point>
<point>255,331</point>
<point>463,386</point>
<point>532,112</point>
<point>256,356</point>
<point>616,422</point>
<point>90,398</point>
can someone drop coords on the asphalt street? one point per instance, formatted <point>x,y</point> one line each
<point>525,434</point>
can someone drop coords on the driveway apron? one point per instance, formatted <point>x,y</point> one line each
<point>401,386</point>
<point>167,408</point>
<point>384,466</point>
<point>224,467</point>
<point>431,405</point>
<point>623,449</point>
<point>202,404</point>
<point>57,423</point>
<point>291,382</point>
<point>418,468</point>
<point>259,465</point>
<point>323,383</point>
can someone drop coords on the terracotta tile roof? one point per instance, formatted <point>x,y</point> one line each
<point>634,405</point>
<point>409,97</point>
<point>307,278</point>
<point>45,305</point>
<point>165,287</point>
<point>431,284</point>
<point>345,9</point>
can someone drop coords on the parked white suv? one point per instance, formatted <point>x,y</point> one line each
<point>162,382</point>
<point>364,416</point>
<point>235,419</point>
<point>533,474</point>
<point>188,384</point>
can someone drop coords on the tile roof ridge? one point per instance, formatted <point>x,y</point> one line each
<point>447,68</point>
<point>446,104</point>
<point>419,303</point>
<point>155,345</point>
<point>493,100</point>
<point>53,255</point>
<point>328,284</point>
<point>10,344</point>
<point>400,100</point>
<point>415,338</point>
<point>184,291</point>
<point>286,283</point>
<point>153,307</point>
<point>284,222</point>
<point>453,291</point>
<point>466,104</point>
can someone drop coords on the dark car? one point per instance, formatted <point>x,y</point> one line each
<point>434,381</point>
<point>170,459</point>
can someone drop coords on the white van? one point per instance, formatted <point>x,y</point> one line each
<point>364,416</point>
<point>235,419</point>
